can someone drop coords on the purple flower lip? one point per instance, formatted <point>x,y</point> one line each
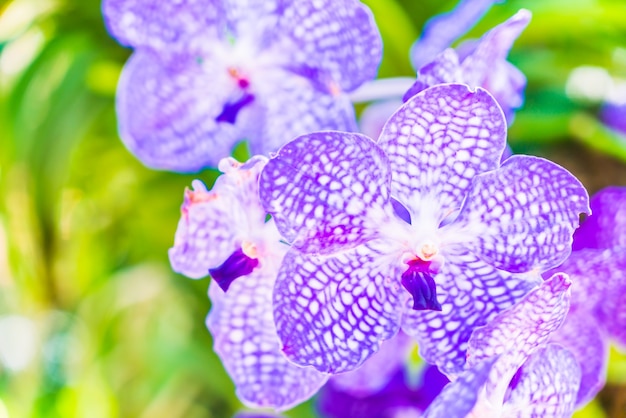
<point>231,110</point>
<point>237,265</point>
<point>418,280</point>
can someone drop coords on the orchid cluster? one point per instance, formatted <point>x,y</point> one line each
<point>332,253</point>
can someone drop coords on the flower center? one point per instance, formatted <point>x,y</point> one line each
<point>418,281</point>
<point>237,265</point>
<point>232,108</point>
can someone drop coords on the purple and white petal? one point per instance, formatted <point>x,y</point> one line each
<point>471,293</point>
<point>487,67</point>
<point>582,336</point>
<point>440,31</point>
<point>288,105</point>
<point>161,25</point>
<point>245,339</point>
<point>463,396</point>
<point>333,312</point>
<point>606,227</point>
<point>445,68</point>
<point>376,372</point>
<point>327,191</point>
<point>437,142</point>
<point>545,386</point>
<point>525,325</point>
<point>522,216</point>
<point>215,223</point>
<point>334,42</point>
<point>168,114</point>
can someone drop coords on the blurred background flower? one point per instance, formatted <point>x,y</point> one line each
<point>93,322</point>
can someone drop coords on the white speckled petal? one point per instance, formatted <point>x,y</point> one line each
<point>547,385</point>
<point>445,68</point>
<point>161,24</point>
<point>522,216</point>
<point>327,191</point>
<point>335,42</point>
<point>214,223</point>
<point>458,398</point>
<point>376,372</point>
<point>437,142</point>
<point>585,338</point>
<point>471,293</point>
<point>333,312</point>
<point>245,338</point>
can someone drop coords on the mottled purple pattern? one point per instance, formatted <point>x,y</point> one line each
<point>180,97</point>
<point>606,227</point>
<point>525,214</point>
<point>471,293</point>
<point>525,326</point>
<point>547,385</point>
<point>585,339</point>
<point>440,31</point>
<point>437,142</point>
<point>614,116</point>
<point>482,63</point>
<point>405,395</point>
<point>457,399</point>
<point>160,24</point>
<point>245,338</point>
<point>327,191</point>
<point>214,223</point>
<point>376,372</point>
<point>333,312</point>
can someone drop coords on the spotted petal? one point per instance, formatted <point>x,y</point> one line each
<point>445,68</point>
<point>160,24</point>
<point>471,294</point>
<point>522,216</point>
<point>442,30</point>
<point>214,223</point>
<point>245,338</point>
<point>582,336</point>
<point>333,312</point>
<point>437,142</point>
<point>606,227</point>
<point>327,191</point>
<point>376,372</point>
<point>333,42</point>
<point>547,385</point>
<point>458,399</point>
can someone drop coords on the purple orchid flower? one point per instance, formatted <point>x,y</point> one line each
<point>207,74</point>
<point>597,267</point>
<point>224,231</point>
<point>403,395</point>
<point>425,218</point>
<point>513,370</point>
<point>481,64</point>
<point>614,116</point>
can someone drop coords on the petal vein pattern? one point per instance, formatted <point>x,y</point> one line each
<point>245,338</point>
<point>437,142</point>
<point>471,293</point>
<point>521,217</point>
<point>327,191</point>
<point>333,312</point>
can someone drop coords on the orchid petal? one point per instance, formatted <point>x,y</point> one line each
<point>521,217</point>
<point>160,24</point>
<point>445,68</point>
<point>245,338</point>
<point>471,294</point>
<point>582,336</point>
<point>437,142</point>
<point>606,227</point>
<point>334,42</point>
<point>333,312</point>
<point>547,385</point>
<point>327,191</point>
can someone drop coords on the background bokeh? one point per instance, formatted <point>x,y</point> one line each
<point>93,323</point>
